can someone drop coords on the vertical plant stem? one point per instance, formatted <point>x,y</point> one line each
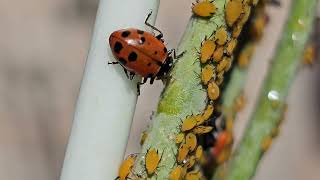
<point>107,99</point>
<point>271,103</point>
<point>182,96</point>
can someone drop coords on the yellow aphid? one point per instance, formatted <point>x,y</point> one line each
<point>224,155</point>
<point>179,138</point>
<point>207,73</point>
<point>234,9</point>
<point>239,103</point>
<point>176,173</point>
<point>245,56</point>
<point>144,136</point>
<point>199,119</point>
<point>206,114</point>
<point>243,59</point>
<point>229,138</point>
<point>183,172</point>
<point>204,9</point>
<point>202,129</point>
<point>199,152</point>
<point>237,31</point>
<point>152,161</point>
<point>231,45</point>
<point>182,152</point>
<point>266,143</point>
<point>309,55</point>
<point>220,78</point>
<point>207,49</point>
<point>224,65</point>
<point>221,36</point>
<point>218,54</point>
<point>189,123</point>
<point>191,141</point>
<point>193,175</point>
<point>126,167</point>
<point>245,15</point>
<point>258,26</point>
<point>191,162</point>
<point>213,91</point>
<point>229,123</point>
<point>228,63</point>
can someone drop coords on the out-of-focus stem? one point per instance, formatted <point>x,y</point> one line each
<point>271,103</point>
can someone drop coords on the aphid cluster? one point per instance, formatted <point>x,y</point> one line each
<point>216,57</point>
<point>152,160</point>
<point>189,151</point>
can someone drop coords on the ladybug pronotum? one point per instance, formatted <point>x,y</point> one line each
<point>141,53</point>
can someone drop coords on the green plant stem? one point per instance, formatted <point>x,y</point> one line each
<point>234,88</point>
<point>267,115</point>
<point>182,96</point>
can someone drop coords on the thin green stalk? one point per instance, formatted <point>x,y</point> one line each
<point>235,86</point>
<point>271,104</point>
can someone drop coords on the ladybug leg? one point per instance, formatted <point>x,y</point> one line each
<point>159,37</point>
<point>153,27</point>
<point>126,72</point>
<point>138,88</point>
<point>175,56</point>
<point>152,80</point>
<point>140,83</point>
<point>132,74</point>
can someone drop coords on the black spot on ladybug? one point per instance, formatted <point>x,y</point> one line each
<point>149,64</point>
<point>125,34</point>
<point>156,52</point>
<point>117,47</point>
<point>165,50</point>
<point>132,56</point>
<point>122,61</point>
<point>140,32</point>
<point>143,39</point>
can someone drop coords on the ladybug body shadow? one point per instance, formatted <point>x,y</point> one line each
<point>140,52</point>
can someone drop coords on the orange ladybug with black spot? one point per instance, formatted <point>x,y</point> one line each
<point>140,52</point>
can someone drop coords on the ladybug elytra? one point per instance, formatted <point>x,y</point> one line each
<point>140,52</point>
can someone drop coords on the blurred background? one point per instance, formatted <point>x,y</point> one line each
<point>43,49</point>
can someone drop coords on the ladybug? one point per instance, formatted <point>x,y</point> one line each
<point>141,53</point>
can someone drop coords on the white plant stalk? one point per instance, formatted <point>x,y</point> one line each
<point>107,99</point>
